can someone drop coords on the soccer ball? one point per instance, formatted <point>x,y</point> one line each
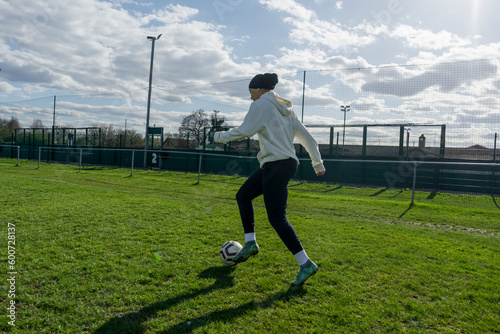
<point>228,251</point>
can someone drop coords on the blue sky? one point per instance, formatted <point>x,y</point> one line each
<point>80,49</point>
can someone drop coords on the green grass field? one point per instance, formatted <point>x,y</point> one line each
<point>85,263</point>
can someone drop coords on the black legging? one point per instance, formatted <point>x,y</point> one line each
<point>271,181</point>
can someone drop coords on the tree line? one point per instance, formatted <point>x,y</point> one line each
<point>192,128</point>
<point>7,128</point>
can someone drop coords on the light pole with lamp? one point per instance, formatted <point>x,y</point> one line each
<point>146,139</point>
<point>344,109</point>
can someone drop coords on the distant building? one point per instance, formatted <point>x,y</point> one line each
<point>477,147</point>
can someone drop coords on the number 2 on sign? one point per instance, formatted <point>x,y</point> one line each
<point>154,158</point>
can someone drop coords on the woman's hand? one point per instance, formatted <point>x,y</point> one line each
<point>321,173</point>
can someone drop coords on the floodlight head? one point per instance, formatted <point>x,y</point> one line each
<point>154,38</point>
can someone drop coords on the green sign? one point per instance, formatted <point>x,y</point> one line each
<point>155,131</point>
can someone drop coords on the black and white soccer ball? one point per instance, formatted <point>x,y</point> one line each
<point>228,251</point>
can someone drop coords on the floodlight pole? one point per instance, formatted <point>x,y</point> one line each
<point>344,109</point>
<point>495,148</point>
<point>146,138</point>
<point>54,122</point>
<point>125,140</point>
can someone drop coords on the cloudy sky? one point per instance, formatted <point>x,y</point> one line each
<point>93,55</point>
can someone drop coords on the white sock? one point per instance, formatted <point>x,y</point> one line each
<point>301,257</point>
<point>249,237</point>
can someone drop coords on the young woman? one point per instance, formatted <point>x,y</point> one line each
<point>276,124</point>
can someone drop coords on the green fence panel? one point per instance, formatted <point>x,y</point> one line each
<point>466,176</point>
<point>180,162</point>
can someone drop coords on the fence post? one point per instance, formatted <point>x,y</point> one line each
<point>494,165</point>
<point>337,147</point>
<point>442,144</point>
<point>29,146</point>
<point>80,166</point>
<point>414,182</point>
<point>199,166</point>
<point>365,135</point>
<point>495,148</point>
<point>18,154</point>
<point>401,141</point>
<point>330,147</point>
<point>39,156</point>
<point>132,165</point>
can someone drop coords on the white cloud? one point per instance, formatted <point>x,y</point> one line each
<point>5,87</point>
<point>329,35</point>
<point>291,8</point>
<point>367,105</point>
<point>143,4</point>
<point>426,39</point>
<point>95,46</point>
<point>171,14</point>
<point>446,77</point>
<point>308,29</point>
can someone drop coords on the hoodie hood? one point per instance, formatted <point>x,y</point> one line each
<point>284,106</point>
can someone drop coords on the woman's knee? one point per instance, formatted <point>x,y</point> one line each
<point>241,197</point>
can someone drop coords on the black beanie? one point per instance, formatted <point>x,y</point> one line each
<point>266,81</point>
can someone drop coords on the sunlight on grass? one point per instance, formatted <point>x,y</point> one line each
<point>86,245</point>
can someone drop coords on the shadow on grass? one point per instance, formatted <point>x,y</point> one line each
<point>333,189</point>
<point>231,313</point>
<point>133,322</point>
<point>432,194</point>
<point>404,213</point>
<point>495,201</point>
<point>298,184</point>
<point>98,168</point>
<point>397,194</point>
<point>381,191</point>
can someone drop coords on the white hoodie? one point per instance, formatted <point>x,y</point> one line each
<point>277,125</point>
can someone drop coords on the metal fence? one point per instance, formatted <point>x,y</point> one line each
<point>461,95</point>
<point>416,173</point>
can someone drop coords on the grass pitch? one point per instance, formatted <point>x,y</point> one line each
<point>86,243</point>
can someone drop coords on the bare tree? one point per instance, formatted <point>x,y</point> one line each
<point>130,138</point>
<point>7,128</point>
<point>194,124</point>
<point>13,124</point>
<point>108,135</point>
<point>37,124</point>
<point>111,137</point>
<point>4,131</point>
